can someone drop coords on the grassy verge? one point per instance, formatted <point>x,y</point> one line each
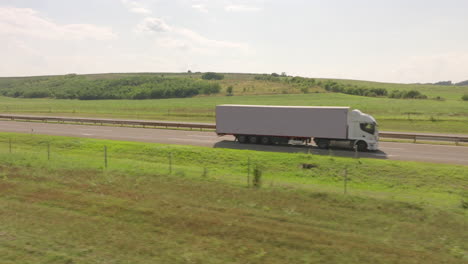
<point>70,209</point>
<point>423,183</point>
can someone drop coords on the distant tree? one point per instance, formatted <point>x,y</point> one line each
<point>464,83</point>
<point>212,76</point>
<point>447,83</point>
<point>275,74</point>
<point>283,74</point>
<point>189,71</point>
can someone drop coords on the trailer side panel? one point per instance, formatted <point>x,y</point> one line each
<point>294,121</point>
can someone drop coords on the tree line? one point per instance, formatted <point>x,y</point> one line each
<point>80,87</point>
<point>332,86</point>
<point>450,83</point>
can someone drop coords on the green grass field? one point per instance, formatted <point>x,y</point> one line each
<point>70,209</point>
<point>440,116</point>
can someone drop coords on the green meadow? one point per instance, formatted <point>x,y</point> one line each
<point>158,203</point>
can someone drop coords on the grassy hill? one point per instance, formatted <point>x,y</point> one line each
<point>69,209</point>
<point>448,114</point>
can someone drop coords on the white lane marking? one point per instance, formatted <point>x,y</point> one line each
<point>94,129</point>
<point>393,148</point>
<point>384,155</point>
<point>86,134</point>
<point>3,124</point>
<point>191,140</point>
<point>202,136</point>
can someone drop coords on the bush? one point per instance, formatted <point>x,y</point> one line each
<point>36,94</point>
<point>267,77</point>
<point>465,97</point>
<point>229,91</point>
<point>257,178</point>
<point>212,76</point>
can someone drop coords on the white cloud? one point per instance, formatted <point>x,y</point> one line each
<point>153,24</point>
<point>136,7</point>
<point>28,22</point>
<point>183,38</point>
<point>140,10</point>
<point>200,7</point>
<point>241,8</point>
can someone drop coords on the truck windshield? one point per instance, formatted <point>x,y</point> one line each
<point>368,127</point>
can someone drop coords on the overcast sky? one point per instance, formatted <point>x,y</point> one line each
<point>380,40</point>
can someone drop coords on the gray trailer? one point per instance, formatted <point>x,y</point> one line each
<point>258,124</point>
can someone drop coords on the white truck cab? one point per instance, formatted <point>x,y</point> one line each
<point>363,130</point>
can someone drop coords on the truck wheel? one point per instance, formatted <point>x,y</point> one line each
<point>323,143</point>
<point>265,140</point>
<point>253,140</point>
<point>361,146</point>
<point>242,139</point>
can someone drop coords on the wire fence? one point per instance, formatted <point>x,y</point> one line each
<point>159,160</point>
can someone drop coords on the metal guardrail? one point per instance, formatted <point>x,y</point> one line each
<point>167,124</point>
<point>143,123</point>
<point>423,136</point>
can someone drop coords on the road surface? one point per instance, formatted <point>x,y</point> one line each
<point>388,150</point>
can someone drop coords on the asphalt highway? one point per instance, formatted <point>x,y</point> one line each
<point>393,151</point>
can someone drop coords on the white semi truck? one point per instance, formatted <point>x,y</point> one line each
<point>257,124</point>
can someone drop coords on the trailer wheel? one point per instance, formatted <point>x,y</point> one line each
<point>361,146</point>
<point>253,140</point>
<point>265,140</point>
<point>323,143</point>
<point>242,139</point>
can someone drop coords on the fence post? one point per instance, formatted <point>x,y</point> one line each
<point>170,163</point>
<point>48,150</point>
<point>105,157</point>
<point>345,181</point>
<point>248,172</point>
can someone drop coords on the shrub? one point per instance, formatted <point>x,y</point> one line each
<point>229,91</point>
<point>275,74</point>
<point>212,76</point>
<point>465,97</point>
<point>395,94</point>
<point>266,77</point>
<point>36,94</point>
<point>257,177</point>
